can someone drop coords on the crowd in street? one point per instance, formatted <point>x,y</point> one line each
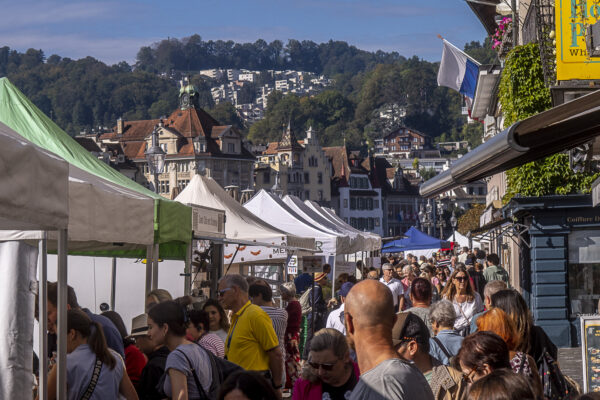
<point>446,327</point>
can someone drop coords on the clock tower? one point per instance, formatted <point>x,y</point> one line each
<point>188,95</point>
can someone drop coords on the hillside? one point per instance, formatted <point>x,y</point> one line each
<point>372,93</point>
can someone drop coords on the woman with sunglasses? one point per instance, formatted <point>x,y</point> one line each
<point>482,353</point>
<point>466,301</point>
<point>329,372</point>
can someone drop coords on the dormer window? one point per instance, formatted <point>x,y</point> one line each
<point>231,147</point>
<point>200,145</point>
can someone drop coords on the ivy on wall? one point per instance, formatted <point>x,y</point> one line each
<point>522,93</point>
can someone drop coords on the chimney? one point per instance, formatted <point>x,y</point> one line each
<point>120,125</point>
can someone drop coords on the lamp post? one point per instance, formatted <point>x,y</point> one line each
<point>441,223</point>
<point>425,217</point>
<point>454,223</point>
<point>155,156</point>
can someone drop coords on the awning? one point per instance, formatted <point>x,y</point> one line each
<point>489,77</point>
<point>558,129</point>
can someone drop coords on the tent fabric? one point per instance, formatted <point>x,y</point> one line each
<point>271,209</point>
<point>372,240</point>
<point>18,264</point>
<point>173,221</point>
<point>240,223</point>
<point>414,240</point>
<point>462,240</point>
<point>34,183</point>
<point>356,240</point>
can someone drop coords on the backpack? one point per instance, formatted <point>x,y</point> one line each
<point>554,384</point>
<point>305,301</point>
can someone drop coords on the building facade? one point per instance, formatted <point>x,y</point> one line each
<point>194,142</point>
<point>297,167</point>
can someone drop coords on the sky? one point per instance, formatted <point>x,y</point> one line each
<point>114,31</point>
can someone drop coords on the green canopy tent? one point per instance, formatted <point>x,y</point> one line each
<point>172,220</point>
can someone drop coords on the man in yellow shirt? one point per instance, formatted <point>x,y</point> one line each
<point>251,341</point>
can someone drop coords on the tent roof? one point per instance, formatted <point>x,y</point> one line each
<point>462,240</point>
<point>373,240</point>
<point>172,221</point>
<point>272,209</point>
<point>240,223</point>
<point>414,240</point>
<point>35,185</point>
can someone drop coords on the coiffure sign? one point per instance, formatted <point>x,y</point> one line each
<point>577,39</point>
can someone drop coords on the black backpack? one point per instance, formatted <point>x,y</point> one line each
<point>554,384</point>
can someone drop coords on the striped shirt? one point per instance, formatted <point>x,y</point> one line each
<point>279,318</point>
<point>213,343</point>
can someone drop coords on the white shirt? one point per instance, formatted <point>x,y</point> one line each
<point>334,321</point>
<point>396,287</point>
<point>466,310</point>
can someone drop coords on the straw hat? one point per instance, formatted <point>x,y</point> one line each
<point>320,276</point>
<point>139,325</point>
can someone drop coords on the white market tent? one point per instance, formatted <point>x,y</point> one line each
<point>357,242</point>
<point>255,240</point>
<point>34,194</point>
<point>463,241</point>
<point>273,210</point>
<point>372,240</point>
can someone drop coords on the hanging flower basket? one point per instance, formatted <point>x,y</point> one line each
<point>502,38</point>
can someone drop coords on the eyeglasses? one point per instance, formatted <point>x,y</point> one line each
<point>469,377</point>
<point>222,292</point>
<point>460,278</point>
<point>326,367</point>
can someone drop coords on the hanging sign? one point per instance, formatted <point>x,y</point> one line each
<point>292,267</point>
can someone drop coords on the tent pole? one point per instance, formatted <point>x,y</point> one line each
<point>187,270</point>
<point>61,387</point>
<point>155,268</point>
<point>333,280</point>
<point>43,318</point>
<point>113,283</point>
<point>148,271</point>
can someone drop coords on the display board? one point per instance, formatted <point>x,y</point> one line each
<point>312,264</point>
<point>590,352</point>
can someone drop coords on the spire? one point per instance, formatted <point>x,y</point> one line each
<point>288,139</point>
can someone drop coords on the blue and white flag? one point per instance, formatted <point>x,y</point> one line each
<point>458,71</point>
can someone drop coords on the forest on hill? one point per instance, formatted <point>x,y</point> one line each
<point>373,92</point>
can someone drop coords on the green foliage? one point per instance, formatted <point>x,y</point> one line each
<point>226,114</point>
<point>427,173</point>
<point>522,94</point>
<point>482,53</point>
<point>522,91</point>
<point>469,221</point>
<point>552,175</point>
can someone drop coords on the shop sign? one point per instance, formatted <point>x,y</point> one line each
<point>577,56</point>
<point>590,352</point>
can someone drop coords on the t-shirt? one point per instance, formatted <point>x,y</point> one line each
<point>80,367</point>
<point>250,336</point>
<point>495,273</point>
<point>392,379</point>
<point>201,363</point>
<point>213,343</point>
<point>395,287</point>
<point>111,333</point>
<point>422,313</point>
<point>220,333</point>
<point>151,374</point>
<point>335,320</point>
<point>341,392</point>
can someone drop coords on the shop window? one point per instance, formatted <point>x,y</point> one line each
<point>584,271</point>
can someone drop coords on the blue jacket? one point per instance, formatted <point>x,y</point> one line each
<point>451,341</point>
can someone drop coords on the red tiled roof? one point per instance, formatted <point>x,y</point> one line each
<point>271,148</point>
<point>132,150</point>
<point>339,162</point>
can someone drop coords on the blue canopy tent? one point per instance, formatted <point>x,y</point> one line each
<point>414,240</point>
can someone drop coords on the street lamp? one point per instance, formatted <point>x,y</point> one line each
<point>425,217</point>
<point>155,156</point>
<point>441,223</point>
<point>454,223</point>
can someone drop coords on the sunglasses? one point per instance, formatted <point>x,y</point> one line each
<point>460,278</point>
<point>326,367</point>
<point>222,292</point>
<point>468,378</point>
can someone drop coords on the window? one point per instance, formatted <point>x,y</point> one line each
<point>306,195</point>
<point>345,203</point>
<point>320,195</point>
<point>289,178</point>
<point>164,187</point>
<point>267,177</point>
<point>376,204</point>
<point>320,178</point>
<point>182,183</point>
<point>306,178</point>
<point>163,146</point>
<point>583,271</point>
<point>377,222</point>
<point>231,147</point>
<point>352,203</point>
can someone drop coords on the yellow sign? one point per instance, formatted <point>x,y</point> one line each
<point>573,20</point>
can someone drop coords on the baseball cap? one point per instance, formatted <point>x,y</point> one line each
<point>409,326</point>
<point>345,289</point>
<point>139,325</point>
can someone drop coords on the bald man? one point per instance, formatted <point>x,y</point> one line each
<point>370,317</point>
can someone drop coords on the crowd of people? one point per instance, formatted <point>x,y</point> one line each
<point>447,327</point>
